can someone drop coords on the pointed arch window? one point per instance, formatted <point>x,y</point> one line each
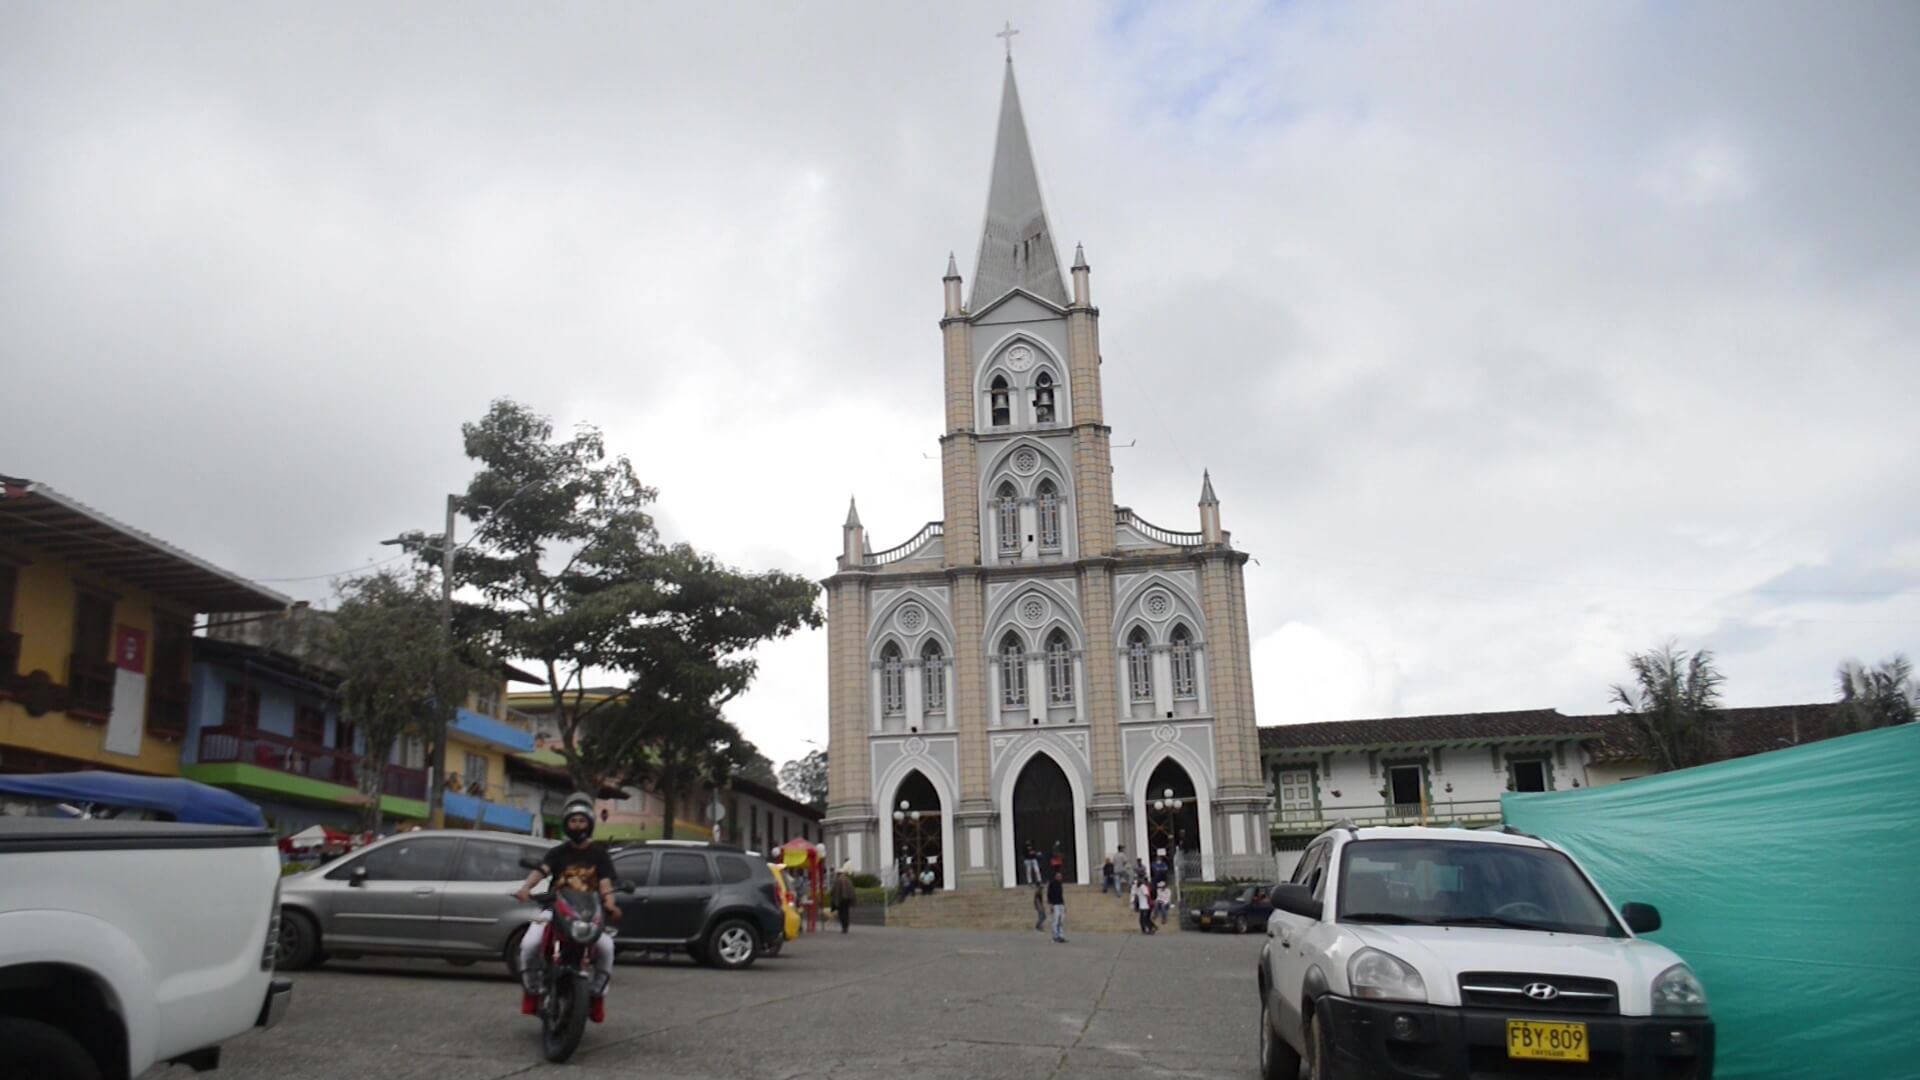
<point>1006,509</point>
<point>1001,402</point>
<point>1140,665</point>
<point>1049,512</point>
<point>1059,669</point>
<point>1013,671</point>
<point>1043,399</point>
<point>893,680</point>
<point>933,677</point>
<point>1185,684</point>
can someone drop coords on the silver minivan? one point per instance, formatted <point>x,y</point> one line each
<point>443,893</point>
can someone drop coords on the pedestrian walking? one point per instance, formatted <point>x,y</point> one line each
<point>843,895</point>
<point>1142,902</point>
<point>1057,899</point>
<point>1161,901</point>
<point>1123,872</point>
<point>1039,906</point>
<point>1107,884</point>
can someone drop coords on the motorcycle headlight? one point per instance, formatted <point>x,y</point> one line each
<point>1677,992</point>
<point>582,931</point>
<point>1384,977</point>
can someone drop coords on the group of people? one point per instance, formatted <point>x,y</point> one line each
<point>925,881</point>
<point>1143,887</point>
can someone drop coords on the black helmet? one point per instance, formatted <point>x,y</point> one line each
<point>578,803</point>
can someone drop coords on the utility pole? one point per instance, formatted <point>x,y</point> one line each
<point>437,750</point>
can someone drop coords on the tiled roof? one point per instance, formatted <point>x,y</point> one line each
<point>1741,731</point>
<point>1405,730</point>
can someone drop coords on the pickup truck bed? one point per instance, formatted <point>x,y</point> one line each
<point>141,941</point>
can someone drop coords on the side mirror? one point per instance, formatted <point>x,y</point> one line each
<point>529,863</point>
<point>625,885</point>
<point>1641,918</point>
<point>358,877</point>
<point>1297,900</point>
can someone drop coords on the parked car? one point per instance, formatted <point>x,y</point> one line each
<point>1447,953</point>
<point>716,902</point>
<point>1244,909</point>
<point>439,893</point>
<point>124,944</point>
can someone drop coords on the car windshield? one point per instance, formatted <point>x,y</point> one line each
<point>1464,883</point>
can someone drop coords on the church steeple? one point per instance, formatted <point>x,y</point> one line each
<point>1016,246</point>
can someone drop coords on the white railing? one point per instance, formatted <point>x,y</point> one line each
<point>1125,516</point>
<point>1464,812</point>
<point>902,551</point>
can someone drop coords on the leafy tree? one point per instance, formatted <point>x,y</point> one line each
<point>397,678</point>
<point>1880,696</point>
<point>805,779</point>
<point>575,578</point>
<point>757,767</point>
<point>1672,704</point>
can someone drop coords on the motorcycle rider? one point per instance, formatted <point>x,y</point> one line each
<point>579,865</point>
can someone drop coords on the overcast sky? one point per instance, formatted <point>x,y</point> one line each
<point>1516,336</point>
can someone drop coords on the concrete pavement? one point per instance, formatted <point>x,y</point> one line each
<point>880,1002</point>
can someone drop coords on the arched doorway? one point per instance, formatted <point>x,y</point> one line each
<point>1172,809</point>
<point>917,828</point>
<point>1043,815</point>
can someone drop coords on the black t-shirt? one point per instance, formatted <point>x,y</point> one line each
<point>578,870</point>
<point>1055,894</point>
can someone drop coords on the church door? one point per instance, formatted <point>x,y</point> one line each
<point>916,829</point>
<point>1043,815</point>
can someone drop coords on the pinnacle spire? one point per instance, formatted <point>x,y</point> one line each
<point>1080,257</point>
<point>1207,497</point>
<point>1016,246</point>
<point>853,514</point>
<point>953,268</point>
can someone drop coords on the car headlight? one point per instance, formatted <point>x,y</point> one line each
<point>1384,977</point>
<point>1677,992</point>
<point>582,931</point>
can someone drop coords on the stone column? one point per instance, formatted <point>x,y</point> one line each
<point>849,822</point>
<point>966,698</point>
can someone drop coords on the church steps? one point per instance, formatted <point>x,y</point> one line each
<point>1088,911</point>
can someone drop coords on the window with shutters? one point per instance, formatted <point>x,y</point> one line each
<point>1049,514</point>
<point>893,680</point>
<point>1140,665</point>
<point>1059,669</point>
<point>1006,509</point>
<point>933,677</point>
<point>1185,684</point>
<point>1013,672</point>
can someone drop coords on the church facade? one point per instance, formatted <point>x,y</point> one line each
<point>1040,668</point>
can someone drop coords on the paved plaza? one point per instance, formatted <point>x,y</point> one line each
<point>895,1003</point>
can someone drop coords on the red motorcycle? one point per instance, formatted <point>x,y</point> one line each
<point>566,971</point>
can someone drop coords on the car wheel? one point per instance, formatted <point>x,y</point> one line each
<point>1239,924</point>
<point>299,944</point>
<point>511,954</point>
<point>42,1050</point>
<point>732,945</point>
<point>1318,1057</point>
<point>1278,1061</point>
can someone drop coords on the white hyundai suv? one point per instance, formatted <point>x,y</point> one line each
<point>1443,953</point>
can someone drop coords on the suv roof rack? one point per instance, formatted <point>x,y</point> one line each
<point>1347,824</point>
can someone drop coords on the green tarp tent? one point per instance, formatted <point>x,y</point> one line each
<point>1789,880</point>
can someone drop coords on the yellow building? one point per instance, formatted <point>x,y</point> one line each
<point>482,735</point>
<point>96,624</point>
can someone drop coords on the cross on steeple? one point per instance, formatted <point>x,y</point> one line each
<point>1007,35</point>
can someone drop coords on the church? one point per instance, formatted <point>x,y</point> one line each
<point>1042,667</point>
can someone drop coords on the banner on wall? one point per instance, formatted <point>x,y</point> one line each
<point>128,720</point>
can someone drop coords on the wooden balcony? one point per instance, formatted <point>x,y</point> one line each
<point>296,758</point>
<point>167,710</point>
<point>90,689</point>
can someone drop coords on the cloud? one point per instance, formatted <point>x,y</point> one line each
<point>1515,338</point>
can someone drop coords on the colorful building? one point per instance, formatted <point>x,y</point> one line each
<point>482,737</point>
<point>96,636</point>
<point>268,726</point>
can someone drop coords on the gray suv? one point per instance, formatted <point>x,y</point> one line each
<point>429,893</point>
<point>716,902</point>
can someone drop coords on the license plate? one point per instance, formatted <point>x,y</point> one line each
<point>1546,1042</point>
<point>1206,920</point>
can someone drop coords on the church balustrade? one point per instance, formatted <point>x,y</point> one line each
<point>902,551</point>
<point>1125,516</point>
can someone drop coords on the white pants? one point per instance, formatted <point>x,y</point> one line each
<point>530,958</point>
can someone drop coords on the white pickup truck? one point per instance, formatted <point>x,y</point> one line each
<point>1442,953</point>
<point>128,943</point>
